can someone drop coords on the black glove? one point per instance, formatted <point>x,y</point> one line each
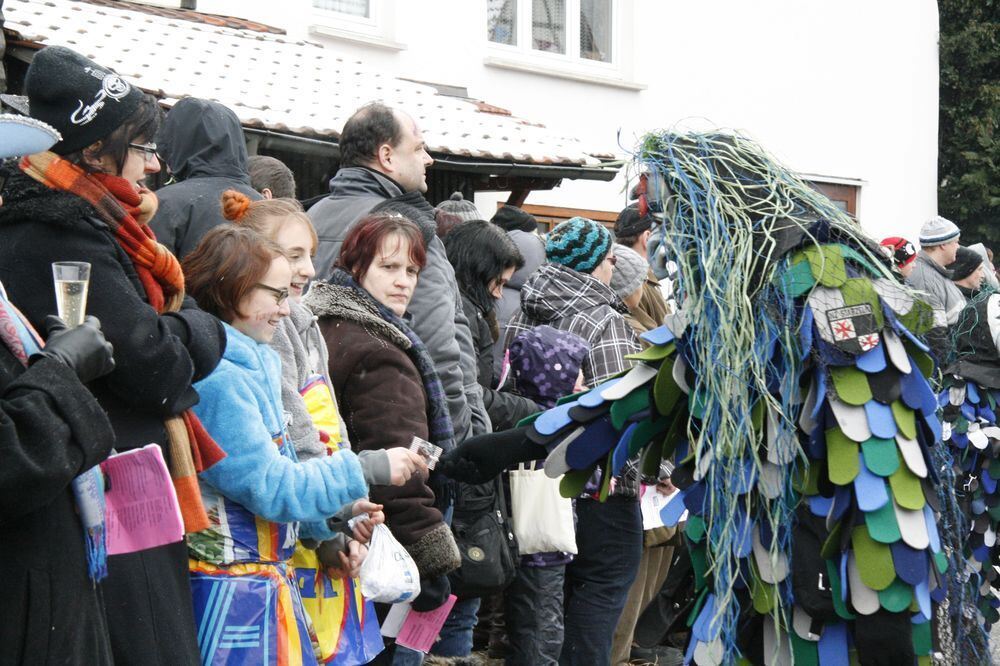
<point>884,639</point>
<point>83,348</point>
<point>480,459</point>
<point>433,593</point>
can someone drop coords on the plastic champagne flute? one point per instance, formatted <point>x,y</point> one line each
<point>72,280</point>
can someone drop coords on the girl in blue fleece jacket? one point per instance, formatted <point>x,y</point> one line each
<point>260,498</point>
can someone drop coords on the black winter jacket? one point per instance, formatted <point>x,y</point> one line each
<point>203,146</point>
<point>51,430</point>
<point>505,409</point>
<point>157,357</point>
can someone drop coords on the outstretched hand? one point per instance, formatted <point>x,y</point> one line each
<point>480,459</point>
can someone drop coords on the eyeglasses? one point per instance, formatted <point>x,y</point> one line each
<point>612,259</point>
<point>148,150</point>
<point>280,295</point>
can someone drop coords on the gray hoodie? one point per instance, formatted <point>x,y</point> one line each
<point>533,250</point>
<point>300,345</point>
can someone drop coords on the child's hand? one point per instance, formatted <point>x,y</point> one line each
<point>363,528</point>
<point>350,562</point>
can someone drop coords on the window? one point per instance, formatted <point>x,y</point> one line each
<point>501,20</point>
<point>359,8</point>
<point>368,22</point>
<point>548,25</point>
<point>595,30</point>
<point>577,29</point>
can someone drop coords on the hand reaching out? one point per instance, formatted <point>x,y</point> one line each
<point>403,464</point>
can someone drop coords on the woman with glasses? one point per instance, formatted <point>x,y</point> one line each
<point>260,498</point>
<point>85,200</point>
<point>316,428</point>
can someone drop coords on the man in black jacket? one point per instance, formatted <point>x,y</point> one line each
<point>202,144</point>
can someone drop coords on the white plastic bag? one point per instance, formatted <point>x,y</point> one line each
<point>388,575</point>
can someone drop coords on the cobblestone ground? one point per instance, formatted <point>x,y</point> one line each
<point>995,645</point>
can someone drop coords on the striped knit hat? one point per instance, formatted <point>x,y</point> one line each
<point>578,243</point>
<point>938,231</point>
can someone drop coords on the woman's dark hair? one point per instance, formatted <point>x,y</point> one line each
<point>142,124</point>
<point>227,265</point>
<point>371,126</point>
<point>363,241</point>
<point>480,252</point>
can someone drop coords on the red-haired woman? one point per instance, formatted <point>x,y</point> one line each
<point>385,381</point>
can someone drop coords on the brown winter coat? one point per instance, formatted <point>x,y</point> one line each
<point>383,404</point>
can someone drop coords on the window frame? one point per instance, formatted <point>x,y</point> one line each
<point>371,25</point>
<point>571,60</point>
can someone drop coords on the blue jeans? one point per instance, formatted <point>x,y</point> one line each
<point>456,634</point>
<point>404,656</point>
<point>609,541</point>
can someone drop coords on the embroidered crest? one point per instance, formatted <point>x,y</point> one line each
<point>854,328</point>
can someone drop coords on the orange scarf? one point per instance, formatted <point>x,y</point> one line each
<point>127,213</point>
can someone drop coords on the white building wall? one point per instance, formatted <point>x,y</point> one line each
<point>847,89</point>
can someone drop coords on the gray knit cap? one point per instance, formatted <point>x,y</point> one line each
<point>938,231</point>
<point>459,207</point>
<point>629,272</point>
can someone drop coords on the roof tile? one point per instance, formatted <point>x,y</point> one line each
<point>298,87</point>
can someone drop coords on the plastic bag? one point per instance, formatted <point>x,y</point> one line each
<point>388,575</point>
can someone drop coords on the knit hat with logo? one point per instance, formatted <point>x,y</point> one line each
<point>901,250</point>
<point>578,243</point>
<point>84,101</point>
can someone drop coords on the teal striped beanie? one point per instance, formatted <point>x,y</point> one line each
<point>578,243</point>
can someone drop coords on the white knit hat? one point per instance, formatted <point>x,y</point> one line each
<point>938,231</point>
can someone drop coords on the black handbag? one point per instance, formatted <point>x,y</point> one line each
<point>481,526</point>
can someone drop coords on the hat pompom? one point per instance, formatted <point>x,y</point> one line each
<point>461,207</point>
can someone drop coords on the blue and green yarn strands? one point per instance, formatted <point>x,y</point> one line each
<point>802,441</point>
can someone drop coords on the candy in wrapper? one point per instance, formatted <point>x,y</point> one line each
<point>427,451</point>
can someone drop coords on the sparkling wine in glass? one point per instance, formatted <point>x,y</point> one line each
<point>72,280</point>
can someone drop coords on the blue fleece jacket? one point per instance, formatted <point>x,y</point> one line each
<point>241,408</point>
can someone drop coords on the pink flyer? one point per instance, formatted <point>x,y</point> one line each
<point>420,630</point>
<point>142,510</point>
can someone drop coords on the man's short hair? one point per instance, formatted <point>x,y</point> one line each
<point>268,173</point>
<point>371,126</point>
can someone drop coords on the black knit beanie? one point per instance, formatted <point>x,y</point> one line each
<point>965,264</point>
<point>510,218</point>
<point>84,101</point>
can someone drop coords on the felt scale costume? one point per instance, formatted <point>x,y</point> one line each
<point>791,389</point>
<point>969,405</point>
